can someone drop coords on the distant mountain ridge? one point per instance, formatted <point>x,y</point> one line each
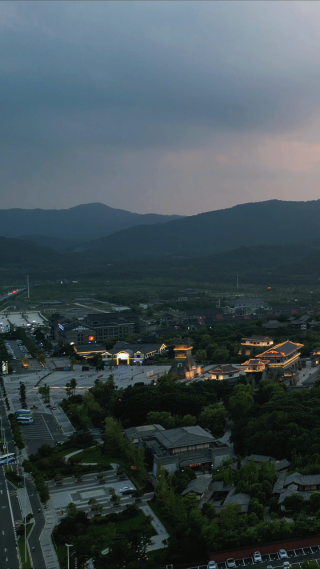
<point>76,224</point>
<point>292,264</point>
<point>263,223</point>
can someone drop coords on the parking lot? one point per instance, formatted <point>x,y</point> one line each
<point>295,557</point>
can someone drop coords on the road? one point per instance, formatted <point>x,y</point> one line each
<point>8,545</point>
<point>11,514</point>
<point>37,557</point>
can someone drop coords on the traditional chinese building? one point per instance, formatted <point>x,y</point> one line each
<point>277,361</point>
<point>250,346</point>
<point>223,372</point>
<point>184,365</point>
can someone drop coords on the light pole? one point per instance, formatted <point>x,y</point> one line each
<point>25,518</point>
<point>67,546</point>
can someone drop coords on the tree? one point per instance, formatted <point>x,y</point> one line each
<point>44,494</point>
<point>71,510</point>
<point>256,508</point>
<point>312,564</point>
<point>93,409</point>
<point>115,440</point>
<point>23,397</point>
<point>221,355</point>
<point>78,417</point>
<point>45,392</point>
<point>68,389</point>
<point>241,402</point>
<point>201,355</point>
<point>294,503</point>
<point>95,506</point>
<point>73,385</point>
<point>188,421</point>
<point>213,417</point>
<point>315,501</point>
<point>163,418</point>
<point>115,498</point>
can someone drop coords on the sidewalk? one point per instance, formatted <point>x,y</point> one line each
<point>47,546</point>
<point>157,540</point>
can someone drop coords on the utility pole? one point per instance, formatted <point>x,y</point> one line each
<point>237,281</point>
<point>67,546</point>
<point>28,286</point>
<point>25,518</point>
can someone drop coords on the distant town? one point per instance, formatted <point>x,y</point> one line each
<point>144,419</point>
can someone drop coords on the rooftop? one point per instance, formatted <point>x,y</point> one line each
<point>284,349</point>
<point>184,436</point>
<point>199,485</point>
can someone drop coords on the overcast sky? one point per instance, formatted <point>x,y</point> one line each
<point>165,107</point>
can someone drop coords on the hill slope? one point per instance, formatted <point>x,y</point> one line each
<point>272,222</point>
<point>80,223</point>
<point>264,264</point>
<point>19,257</point>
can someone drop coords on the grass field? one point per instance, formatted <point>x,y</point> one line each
<point>94,455</point>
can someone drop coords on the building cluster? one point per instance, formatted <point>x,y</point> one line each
<point>176,449</point>
<point>279,362</point>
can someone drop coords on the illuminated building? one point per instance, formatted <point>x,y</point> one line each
<point>128,354</point>
<point>223,372</point>
<point>279,362</point>
<point>250,346</point>
<point>184,365</point>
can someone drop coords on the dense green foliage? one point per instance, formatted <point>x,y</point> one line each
<point>286,425</point>
<point>133,404</point>
<point>16,431</point>
<point>119,532</point>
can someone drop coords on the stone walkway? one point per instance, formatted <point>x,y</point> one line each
<point>47,546</point>
<point>157,540</point>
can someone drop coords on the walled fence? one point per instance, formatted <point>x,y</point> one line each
<point>265,549</point>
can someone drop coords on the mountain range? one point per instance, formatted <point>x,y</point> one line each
<point>272,222</point>
<point>72,226</point>
<point>268,241</point>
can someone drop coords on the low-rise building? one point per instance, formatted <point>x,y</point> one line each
<point>296,483</point>
<point>223,372</point>
<point>128,354</point>
<point>198,486</point>
<point>252,345</point>
<point>88,351</point>
<point>183,447</point>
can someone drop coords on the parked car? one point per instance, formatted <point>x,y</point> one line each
<point>212,565</point>
<point>286,565</point>
<point>283,554</point>
<point>231,563</point>
<point>257,557</point>
<point>127,491</point>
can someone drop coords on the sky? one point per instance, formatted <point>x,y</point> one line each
<point>165,107</point>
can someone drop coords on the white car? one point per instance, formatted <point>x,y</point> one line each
<point>257,557</point>
<point>283,554</point>
<point>212,565</point>
<point>230,563</point>
<point>286,565</point>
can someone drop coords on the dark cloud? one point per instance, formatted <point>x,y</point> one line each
<point>79,77</point>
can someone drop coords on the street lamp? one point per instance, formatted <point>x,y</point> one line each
<point>67,546</point>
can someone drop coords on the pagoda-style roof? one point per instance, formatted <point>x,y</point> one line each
<point>253,362</point>
<point>283,350</point>
<point>226,368</point>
